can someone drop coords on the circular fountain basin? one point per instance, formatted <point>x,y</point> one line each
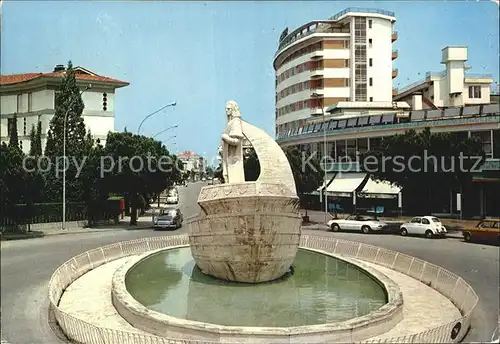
<point>323,296</point>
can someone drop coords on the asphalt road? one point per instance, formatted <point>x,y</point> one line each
<point>26,267</point>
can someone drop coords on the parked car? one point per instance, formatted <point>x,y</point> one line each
<point>363,223</point>
<point>173,196</point>
<point>429,226</point>
<point>486,229</point>
<point>168,218</point>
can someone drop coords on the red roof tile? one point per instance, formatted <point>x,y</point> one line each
<point>187,155</point>
<point>18,78</point>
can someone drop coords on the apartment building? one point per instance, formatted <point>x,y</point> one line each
<point>452,87</point>
<point>32,97</point>
<point>323,62</point>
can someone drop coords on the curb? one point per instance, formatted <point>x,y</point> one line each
<point>41,234</point>
<point>97,230</point>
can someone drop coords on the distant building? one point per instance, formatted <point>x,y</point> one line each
<point>32,97</point>
<point>452,87</point>
<point>194,163</point>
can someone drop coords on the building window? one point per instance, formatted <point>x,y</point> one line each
<point>370,61</point>
<point>30,102</point>
<point>346,82</point>
<point>370,42</point>
<point>19,102</point>
<point>370,24</point>
<point>474,92</point>
<point>371,99</point>
<point>371,81</point>
<point>346,44</point>
<point>104,102</point>
<point>346,63</point>
<point>24,126</point>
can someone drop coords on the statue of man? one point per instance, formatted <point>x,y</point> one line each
<point>232,146</point>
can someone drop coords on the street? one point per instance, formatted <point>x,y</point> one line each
<point>26,267</point>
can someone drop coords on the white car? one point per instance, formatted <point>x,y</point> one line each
<point>429,226</point>
<point>172,198</point>
<point>363,223</point>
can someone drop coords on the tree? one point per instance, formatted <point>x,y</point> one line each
<point>36,140</point>
<point>426,165</point>
<point>209,172</point>
<point>32,140</point>
<point>146,168</point>
<point>12,182</point>
<point>218,173</point>
<point>69,104</point>
<point>308,176</point>
<point>68,108</point>
<point>13,138</point>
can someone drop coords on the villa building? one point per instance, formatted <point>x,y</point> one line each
<point>32,97</point>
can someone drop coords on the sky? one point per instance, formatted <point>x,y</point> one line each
<point>202,54</point>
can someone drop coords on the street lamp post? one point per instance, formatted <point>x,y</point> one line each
<point>153,113</point>
<point>315,95</point>
<point>170,138</point>
<point>63,225</point>
<point>164,130</point>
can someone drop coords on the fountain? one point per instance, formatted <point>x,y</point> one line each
<point>243,275</point>
<point>248,231</point>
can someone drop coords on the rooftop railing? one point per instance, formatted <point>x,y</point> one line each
<point>297,34</point>
<point>441,74</point>
<point>478,75</point>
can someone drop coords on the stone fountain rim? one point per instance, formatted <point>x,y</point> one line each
<point>124,302</point>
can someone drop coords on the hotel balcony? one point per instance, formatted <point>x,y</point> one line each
<point>394,54</point>
<point>320,91</point>
<point>394,91</point>
<point>394,36</point>
<point>317,54</point>
<point>394,73</point>
<point>316,111</point>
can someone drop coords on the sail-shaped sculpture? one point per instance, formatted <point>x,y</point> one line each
<point>248,231</point>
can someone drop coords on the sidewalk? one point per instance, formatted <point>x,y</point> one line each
<point>316,216</point>
<point>317,222</point>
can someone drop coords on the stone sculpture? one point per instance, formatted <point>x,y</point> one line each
<point>247,231</point>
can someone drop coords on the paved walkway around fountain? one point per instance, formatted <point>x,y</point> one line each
<point>88,298</point>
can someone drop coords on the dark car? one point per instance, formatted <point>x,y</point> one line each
<point>169,218</point>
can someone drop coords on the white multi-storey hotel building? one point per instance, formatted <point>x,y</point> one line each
<point>31,96</point>
<point>345,58</point>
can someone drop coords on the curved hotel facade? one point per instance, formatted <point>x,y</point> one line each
<point>324,62</point>
<point>334,81</point>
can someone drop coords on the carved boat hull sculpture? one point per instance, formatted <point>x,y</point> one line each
<point>248,231</point>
